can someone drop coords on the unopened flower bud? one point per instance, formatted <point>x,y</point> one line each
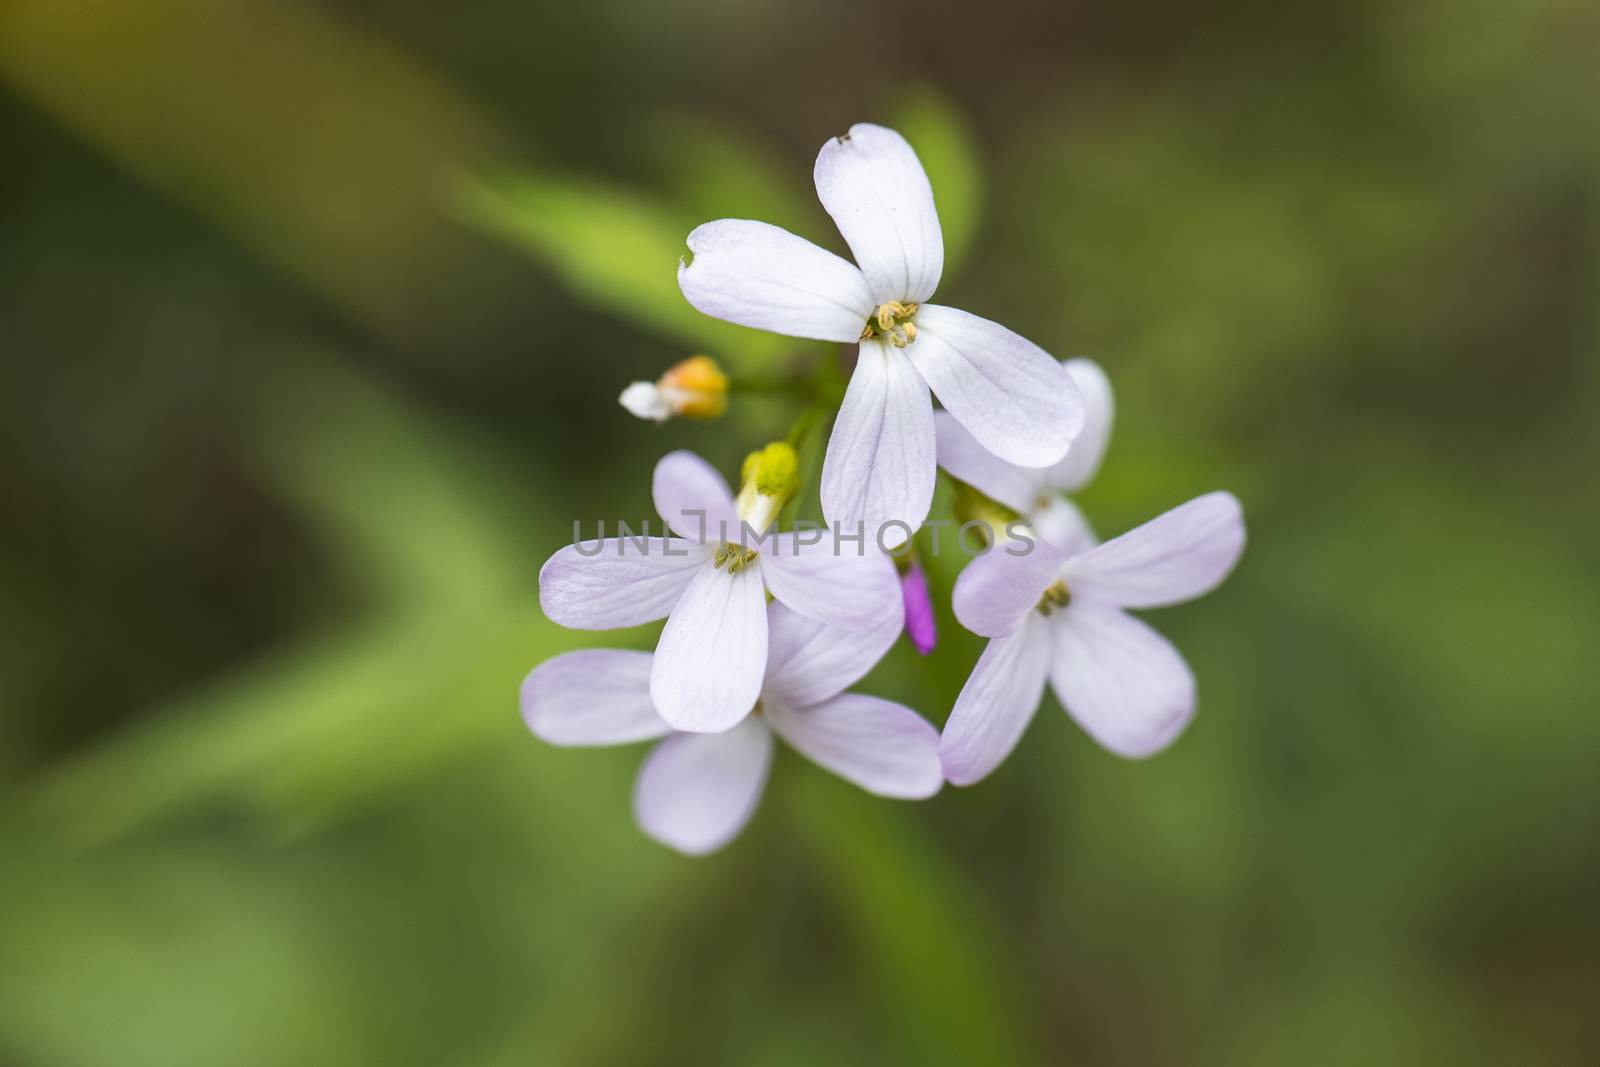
<point>770,477</point>
<point>918,604</point>
<point>695,388</point>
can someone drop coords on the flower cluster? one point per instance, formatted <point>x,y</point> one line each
<point>767,628</point>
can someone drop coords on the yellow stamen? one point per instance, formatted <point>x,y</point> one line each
<point>1055,598</point>
<point>891,322</point>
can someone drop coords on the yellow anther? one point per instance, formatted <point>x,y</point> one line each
<point>891,322</point>
<point>1054,598</point>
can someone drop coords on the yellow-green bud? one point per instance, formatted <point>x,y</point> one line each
<point>775,470</point>
<point>770,477</point>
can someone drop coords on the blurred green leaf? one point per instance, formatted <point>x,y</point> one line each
<point>614,250</point>
<point>713,171</point>
<point>951,154</point>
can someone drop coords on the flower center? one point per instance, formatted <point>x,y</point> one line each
<point>737,557</point>
<point>892,322</point>
<point>1055,598</point>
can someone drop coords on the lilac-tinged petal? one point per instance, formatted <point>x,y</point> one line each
<point>1089,447</point>
<point>694,498</point>
<point>918,605</point>
<point>708,665</point>
<point>1016,401</point>
<point>874,186</point>
<point>1018,488</point>
<point>1061,523</point>
<point>848,585</point>
<point>996,704</point>
<point>998,590</point>
<point>597,696</point>
<point>880,466</point>
<point>759,275</point>
<point>881,746</point>
<point>1124,683</point>
<point>809,661</point>
<point>695,792</point>
<point>1181,555</point>
<point>617,582</point>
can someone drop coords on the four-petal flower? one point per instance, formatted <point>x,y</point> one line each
<point>710,582</point>
<point>1060,615</point>
<point>879,469</point>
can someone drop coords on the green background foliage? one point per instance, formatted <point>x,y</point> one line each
<point>314,317</point>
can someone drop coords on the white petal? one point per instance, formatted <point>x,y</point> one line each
<point>845,584</point>
<point>996,704</point>
<point>696,792</point>
<point>881,746</point>
<point>713,652</point>
<point>617,582</point>
<point>694,498</point>
<point>880,466</point>
<point>759,275</point>
<point>874,186</point>
<point>598,696</point>
<point>1180,555</point>
<point>1016,400</point>
<point>999,589</point>
<point>1124,683</point>
<point>1018,488</point>
<point>809,661</point>
<point>1061,523</point>
<point>1089,447</point>
<point>643,400</point>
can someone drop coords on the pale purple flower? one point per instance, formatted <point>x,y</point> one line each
<point>879,469</point>
<point>695,792</point>
<point>1060,615</point>
<point>918,607</point>
<point>712,590</point>
<point>1035,493</point>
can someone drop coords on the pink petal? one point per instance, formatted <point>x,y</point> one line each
<point>597,696</point>
<point>1181,555</point>
<point>1011,395</point>
<point>1124,683</point>
<point>1018,488</point>
<point>874,186</point>
<point>694,498</point>
<point>617,582</point>
<point>999,589</point>
<point>1089,447</point>
<point>879,470</point>
<point>881,746</point>
<point>996,704</point>
<point>843,584</point>
<point>762,276</point>
<point>809,661</point>
<point>695,792</point>
<point>706,675</point>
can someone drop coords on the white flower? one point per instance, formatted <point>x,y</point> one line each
<point>695,792</point>
<point>1017,401</point>
<point>711,581</point>
<point>1059,615</point>
<point>1035,493</point>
